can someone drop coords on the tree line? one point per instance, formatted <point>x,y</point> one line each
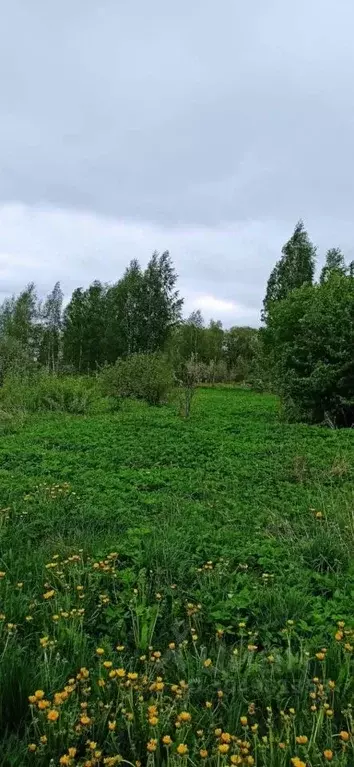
<point>139,314</point>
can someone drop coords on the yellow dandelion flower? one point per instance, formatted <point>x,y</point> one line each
<point>302,740</point>
<point>43,704</point>
<point>44,740</point>
<point>244,721</point>
<point>107,663</point>
<point>172,646</point>
<point>49,594</point>
<point>85,720</point>
<point>320,655</point>
<point>112,725</point>
<point>328,754</point>
<point>64,760</point>
<point>39,694</point>
<point>344,735</point>
<point>154,720</point>
<point>52,715</point>
<point>32,747</point>
<point>184,716</point>
<point>223,748</point>
<point>99,651</point>
<point>152,745</point>
<point>208,704</point>
<point>72,752</point>
<point>235,759</point>
<point>182,749</point>
<point>120,672</point>
<point>208,662</point>
<point>167,740</point>
<point>203,753</point>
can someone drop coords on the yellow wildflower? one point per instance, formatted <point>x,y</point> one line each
<point>167,740</point>
<point>182,749</point>
<point>52,715</point>
<point>328,754</point>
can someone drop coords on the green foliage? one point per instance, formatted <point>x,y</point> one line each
<point>152,530</point>
<point>308,341</point>
<point>295,268</point>
<point>42,392</point>
<point>141,376</point>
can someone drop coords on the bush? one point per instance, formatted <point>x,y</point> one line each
<point>44,392</point>
<point>309,343</point>
<point>142,376</point>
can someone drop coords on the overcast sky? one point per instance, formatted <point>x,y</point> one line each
<point>206,127</point>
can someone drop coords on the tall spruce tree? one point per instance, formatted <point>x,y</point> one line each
<point>295,268</point>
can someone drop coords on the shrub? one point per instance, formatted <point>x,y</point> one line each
<point>44,392</point>
<point>308,342</point>
<point>141,376</point>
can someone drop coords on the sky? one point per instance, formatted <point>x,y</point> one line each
<point>205,128</point>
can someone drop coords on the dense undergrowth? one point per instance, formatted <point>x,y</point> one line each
<point>176,590</point>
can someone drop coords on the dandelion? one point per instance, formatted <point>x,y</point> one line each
<point>52,715</point>
<point>43,704</point>
<point>44,740</point>
<point>99,651</point>
<point>320,655</point>
<point>167,740</point>
<point>152,745</point>
<point>223,748</point>
<point>49,594</point>
<point>302,740</point>
<point>39,694</point>
<point>235,759</point>
<point>85,720</point>
<point>172,646</point>
<point>328,754</point>
<point>112,725</point>
<point>244,721</point>
<point>329,712</point>
<point>344,735</point>
<point>182,749</point>
<point>64,760</point>
<point>207,663</point>
<point>154,720</point>
<point>203,753</point>
<point>225,737</point>
<point>32,747</point>
<point>120,647</point>
<point>120,673</point>
<point>184,716</point>
<point>107,663</point>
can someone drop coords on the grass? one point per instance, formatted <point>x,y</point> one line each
<point>218,551</point>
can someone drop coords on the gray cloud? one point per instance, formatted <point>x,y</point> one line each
<point>210,126</point>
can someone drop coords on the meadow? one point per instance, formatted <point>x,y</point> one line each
<point>176,591</point>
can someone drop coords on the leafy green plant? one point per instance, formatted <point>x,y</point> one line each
<point>142,376</point>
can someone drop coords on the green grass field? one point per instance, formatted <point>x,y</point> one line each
<point>223,543</point>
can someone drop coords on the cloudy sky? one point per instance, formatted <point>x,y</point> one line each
<point>206,128</point>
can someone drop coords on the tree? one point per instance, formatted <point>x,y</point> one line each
<point>296,267</point>
<point>161,304</point>
<point>334,263</point>
<point>309,340</point>
<point>51,318</point>
<point>84,328</point>
<point>124,315</point>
